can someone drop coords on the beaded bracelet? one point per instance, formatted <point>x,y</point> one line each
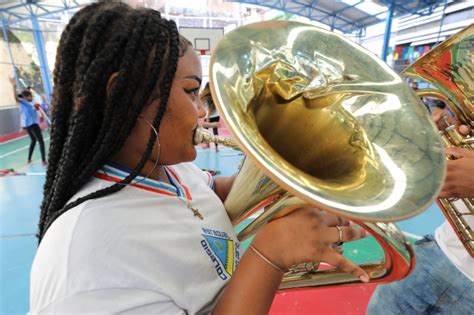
<point>268,261</point>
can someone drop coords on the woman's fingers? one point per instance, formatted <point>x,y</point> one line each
<point>329,219</point>
<point>458,152</point>
<point>335,259</point>
<point>333,220</point>
<point>330,235</point>
<point>346,234</point>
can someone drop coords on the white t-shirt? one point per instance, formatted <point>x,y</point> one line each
<point>452,247</point>
<point>140,250</point>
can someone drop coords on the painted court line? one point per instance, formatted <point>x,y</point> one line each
<point>24,167</point>
<point>14,139</point>
<point>5,237</point>
<point>18,150</point>
<point>14,151</point>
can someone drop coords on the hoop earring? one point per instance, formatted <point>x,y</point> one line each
<point>159,147</point>
<point>157,156</point>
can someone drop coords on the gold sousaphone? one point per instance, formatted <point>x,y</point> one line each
<point>324,122</point>
<point>450,68</point>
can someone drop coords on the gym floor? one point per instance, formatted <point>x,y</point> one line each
<point>19,210</point>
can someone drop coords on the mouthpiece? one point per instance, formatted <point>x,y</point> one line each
<point>201,135</point>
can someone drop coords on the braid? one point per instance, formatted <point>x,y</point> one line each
<point>65,35</point>
<point>63,74</point>
<point>74,140</point>
<point>88,46</point>
<point>168,78</point>
<point>150,83</point>
<point>90,125</point>
<point>119,93</point>
<point>124,111</point>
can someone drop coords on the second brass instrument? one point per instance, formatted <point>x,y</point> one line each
<point>450,68</point>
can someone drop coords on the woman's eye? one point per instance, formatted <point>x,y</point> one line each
<point>194,92</point>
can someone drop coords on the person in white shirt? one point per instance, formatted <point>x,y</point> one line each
<point>443,279</point>
<point>127,224</point>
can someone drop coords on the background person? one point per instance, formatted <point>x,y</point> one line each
<point>212,114</point>
<point>443,117</point>
<point>29,120</point>
<point>443,279</point>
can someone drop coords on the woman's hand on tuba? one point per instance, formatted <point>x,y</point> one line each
<point>307,235</point>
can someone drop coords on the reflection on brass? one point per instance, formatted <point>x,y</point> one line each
<point>450,68</point>
<point>324,122</point>
<point>339,158</point>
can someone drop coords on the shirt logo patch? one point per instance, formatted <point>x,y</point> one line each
<point>222,250</point>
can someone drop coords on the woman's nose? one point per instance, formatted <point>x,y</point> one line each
<point>201,109</point>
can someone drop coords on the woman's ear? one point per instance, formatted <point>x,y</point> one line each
<point>111,82</point>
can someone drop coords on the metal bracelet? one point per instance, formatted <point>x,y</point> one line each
<point>268,261</point>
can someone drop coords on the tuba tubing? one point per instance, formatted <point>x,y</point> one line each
<point>398,260</point>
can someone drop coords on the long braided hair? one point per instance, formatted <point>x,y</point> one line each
<point>91,123</point>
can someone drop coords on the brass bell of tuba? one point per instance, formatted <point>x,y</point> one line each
<point>450,68</point>
<point>322,121</point>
